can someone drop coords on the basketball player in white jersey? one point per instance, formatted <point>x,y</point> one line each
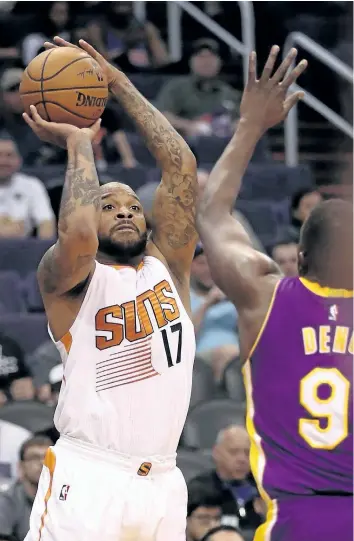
<point>117,303</point>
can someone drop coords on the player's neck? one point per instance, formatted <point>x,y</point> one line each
<point>106,259</point>
<point>327,280</point>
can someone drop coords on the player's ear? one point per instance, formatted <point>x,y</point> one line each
<point>301,262</point>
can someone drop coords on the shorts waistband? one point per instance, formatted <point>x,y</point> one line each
<point>142,466</point>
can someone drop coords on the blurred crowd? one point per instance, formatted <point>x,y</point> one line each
<point>200,95</point>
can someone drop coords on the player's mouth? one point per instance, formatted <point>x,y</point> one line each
<point>125,227</point>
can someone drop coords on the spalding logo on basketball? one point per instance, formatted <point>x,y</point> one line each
<point>66,85</point>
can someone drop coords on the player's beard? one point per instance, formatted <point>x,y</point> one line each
<point>122,252</point>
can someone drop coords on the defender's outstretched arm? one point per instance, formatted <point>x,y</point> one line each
<point>238,269</point>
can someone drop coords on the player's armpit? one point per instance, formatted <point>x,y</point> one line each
<point>174,214</point>
<point>239,270</point>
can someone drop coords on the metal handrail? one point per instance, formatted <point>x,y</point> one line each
<point>291,123</point>
<point>174,8</point>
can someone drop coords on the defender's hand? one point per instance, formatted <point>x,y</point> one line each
<point>264,101</point>
<point>110,71</point>
<point>55,133</point>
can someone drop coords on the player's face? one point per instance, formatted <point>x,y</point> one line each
<point>32,463</point>
<point>122,231</point>
<point>201,521</point>
<point>10,160</point>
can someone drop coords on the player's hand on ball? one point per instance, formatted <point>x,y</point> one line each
<point>265,102</point>
<point>54,133</point>
<point>110,71</point>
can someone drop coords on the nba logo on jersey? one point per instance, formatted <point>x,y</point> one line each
<point>64,492</point>
<point>333,312</point>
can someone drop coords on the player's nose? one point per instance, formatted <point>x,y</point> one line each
<point>124,214</point>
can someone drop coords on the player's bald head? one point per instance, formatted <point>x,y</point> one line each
<point>326,244</point>
<point>117,188</point>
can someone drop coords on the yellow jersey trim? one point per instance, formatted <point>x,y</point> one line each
<point>321,291</point>
<point>265,321</point>
<point>258,460</point>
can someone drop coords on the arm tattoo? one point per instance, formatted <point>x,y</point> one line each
<point>175,208</point>
<point>81,187</point>
<point>80,203</point>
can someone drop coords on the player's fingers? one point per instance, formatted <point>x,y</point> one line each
<point>63,43</point>
<point>294,74</point>
<point>293,100</point>
<point>269,65</point>
<point>36,116</point>
<point>96,126</point>
<point>252,68</point>
<point>28,120</point>
<point>49,45</point>
<point>284,66</point>
<point>91,50</point>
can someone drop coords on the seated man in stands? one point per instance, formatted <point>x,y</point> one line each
<point>24,201</point>
<point>213,316</point>
<point>203,512</point>
<point>191,102</point>
<point>285,254</point>
<point>16,502</point>
<point>15,378</point>
<point>229,481</point>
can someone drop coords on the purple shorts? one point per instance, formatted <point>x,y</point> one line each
<point>309,518</point>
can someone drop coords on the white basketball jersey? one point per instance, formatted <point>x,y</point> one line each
<point>128,362</point>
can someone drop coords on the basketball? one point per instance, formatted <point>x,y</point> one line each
<point>66,85</point>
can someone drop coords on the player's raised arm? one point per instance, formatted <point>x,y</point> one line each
<point>239,270</point>
<point>174,211</point>
<point>70,261</point>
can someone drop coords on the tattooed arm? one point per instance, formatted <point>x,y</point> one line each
<point>71,260</point>
<point>174,210</point>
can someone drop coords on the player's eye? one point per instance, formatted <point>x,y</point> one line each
<point>108,207</point>
<point>135,207</point>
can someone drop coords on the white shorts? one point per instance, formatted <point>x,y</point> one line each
<point>88,494</point>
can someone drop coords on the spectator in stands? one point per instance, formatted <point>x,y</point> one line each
<point>214,317</point>
<point>203,512</point>
<point>302,204</point>
<point>121,38</point>
<point>192,102</point>
<point>241,505</point>
<point>11,120</point>
<point>17,501</point>
<point>11,438</point>
<point>54,22</point>
<point>24,202</point>
<point>15,378</point>
<point>285,254</point>
<point>40,363</point>
<point>223,533</point>
<point>115,145</point>
<point>203,177</point>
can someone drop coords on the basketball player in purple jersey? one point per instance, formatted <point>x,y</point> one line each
<point>296,334</point>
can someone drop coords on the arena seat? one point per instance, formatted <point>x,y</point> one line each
<point>208,149</point>
<point>34,416</point>
<point>31,293</point>
<point>206,420</point>
<point>203,387</point>
<point>262,217</point>
<point>232,382</point>
<point>135,177</point>
<point>29,330</point>
<point>192,463</point>
<point>22,255</point>
<point>10,292</point>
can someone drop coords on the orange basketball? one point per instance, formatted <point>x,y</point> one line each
<point>66,85</point>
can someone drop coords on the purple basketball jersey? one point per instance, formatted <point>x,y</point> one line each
<point>299,393</point>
